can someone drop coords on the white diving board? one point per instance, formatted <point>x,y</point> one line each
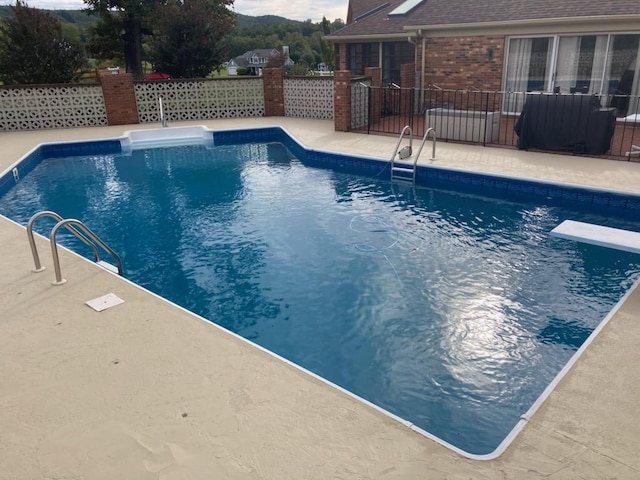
<point>598,235</point>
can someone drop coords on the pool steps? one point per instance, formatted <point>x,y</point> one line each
<point>158,137</point>
<point>80,231</point>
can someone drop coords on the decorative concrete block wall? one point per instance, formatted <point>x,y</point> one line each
<point>310,97</point>
<point>36,107</point>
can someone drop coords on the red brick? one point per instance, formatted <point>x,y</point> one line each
<point>119,98</point>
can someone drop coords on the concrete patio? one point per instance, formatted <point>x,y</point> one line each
<point>148,390</point>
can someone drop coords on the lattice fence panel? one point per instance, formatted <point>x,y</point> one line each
<point>200,99</point>
<point>359,104</point>
<point>308,98</point>
<point>42,107</point>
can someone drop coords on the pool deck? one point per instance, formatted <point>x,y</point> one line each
<point>146,390</point>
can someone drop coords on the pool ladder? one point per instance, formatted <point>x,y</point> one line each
<point>406,172</point>
<point>78,229</point>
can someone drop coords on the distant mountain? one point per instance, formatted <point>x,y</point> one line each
<point>249,21</point>
<point>78,17</point>
<point>82,19</point>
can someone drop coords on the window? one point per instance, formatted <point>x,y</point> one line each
<point>606,65</point>
<point>394,54</point>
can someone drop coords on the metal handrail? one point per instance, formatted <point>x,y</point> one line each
<point>32,242</point>
<point>77,223</point>
<point>163,120</point>
<point>433,147</point>
<point>395,150</point>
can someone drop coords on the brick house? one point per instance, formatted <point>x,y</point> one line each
<point>584,46</point>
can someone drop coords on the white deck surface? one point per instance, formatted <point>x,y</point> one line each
<point>146,390</point>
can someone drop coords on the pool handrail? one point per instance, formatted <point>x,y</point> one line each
<point>408,173</point>
<point>433,135</point>
<point>32,243</point>
<point>95,239</point>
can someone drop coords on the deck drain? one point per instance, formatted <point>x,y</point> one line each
<point>106,301</point>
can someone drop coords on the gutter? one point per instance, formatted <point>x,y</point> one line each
<point>371,37</point>
<point>506,25</point>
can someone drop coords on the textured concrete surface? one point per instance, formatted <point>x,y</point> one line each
<point>147,390</point>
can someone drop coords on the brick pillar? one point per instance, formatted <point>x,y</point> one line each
<point>342,100</point>
<point>377,93</point>
<point>407,81</point>
<point>343,59</point>
<point>119,97</point>
<point>273,81</point>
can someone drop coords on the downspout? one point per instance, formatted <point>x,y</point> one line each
<point>422,67</point>
<point>418,34</point>
<point>414,42</point>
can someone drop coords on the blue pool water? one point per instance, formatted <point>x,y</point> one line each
<point>447,306</point>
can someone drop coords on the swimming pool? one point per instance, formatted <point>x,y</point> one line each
<point>370,279</point>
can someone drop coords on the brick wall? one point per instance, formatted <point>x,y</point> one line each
<point>408,80</point>
<point>473,62</point>
<point>119,98</point>
<point>342,100</point>
<point>273,79</point>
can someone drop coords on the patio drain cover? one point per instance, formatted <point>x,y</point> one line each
<point>106,301</point>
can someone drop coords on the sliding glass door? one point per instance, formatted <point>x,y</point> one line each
<point>605,65</point>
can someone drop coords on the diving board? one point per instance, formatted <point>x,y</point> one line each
<point>598,235</point>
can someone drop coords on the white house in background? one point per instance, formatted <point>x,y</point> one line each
<point>255,60</point>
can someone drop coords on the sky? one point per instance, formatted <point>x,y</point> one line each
<point>292,9</point>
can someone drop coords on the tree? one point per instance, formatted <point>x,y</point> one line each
<point>34,50</point>
<point>325,48</point>
<point>105,39</point>
<point>189,39</point>
<point>133,14</point>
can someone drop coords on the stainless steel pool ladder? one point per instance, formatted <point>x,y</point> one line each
<point>408,172</point>
<point>78,229</point>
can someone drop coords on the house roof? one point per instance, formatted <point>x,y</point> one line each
<point>265,53</point>
<point>261,53</point>
<point>358,8</point>
<point>366,20</point>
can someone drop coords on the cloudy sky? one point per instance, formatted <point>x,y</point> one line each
<point>293,9</point>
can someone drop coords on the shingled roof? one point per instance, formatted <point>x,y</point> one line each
<point>371,17</point>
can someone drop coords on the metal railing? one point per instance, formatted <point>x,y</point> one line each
<point>79,230</point>
<point>408,172</point>
<point>597,125</point>
<point>163,120</point>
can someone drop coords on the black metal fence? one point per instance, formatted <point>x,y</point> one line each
<point>577,123</point>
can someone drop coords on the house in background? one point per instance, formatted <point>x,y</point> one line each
<point>585,46</point>
<point>255,60</point>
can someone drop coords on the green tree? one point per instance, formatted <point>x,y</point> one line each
<point>305,39</point>
<point>106,40</point>
<point>325,48</point>
<point>189,39</point>
<point>33,49</point>
<point>134,15</point>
